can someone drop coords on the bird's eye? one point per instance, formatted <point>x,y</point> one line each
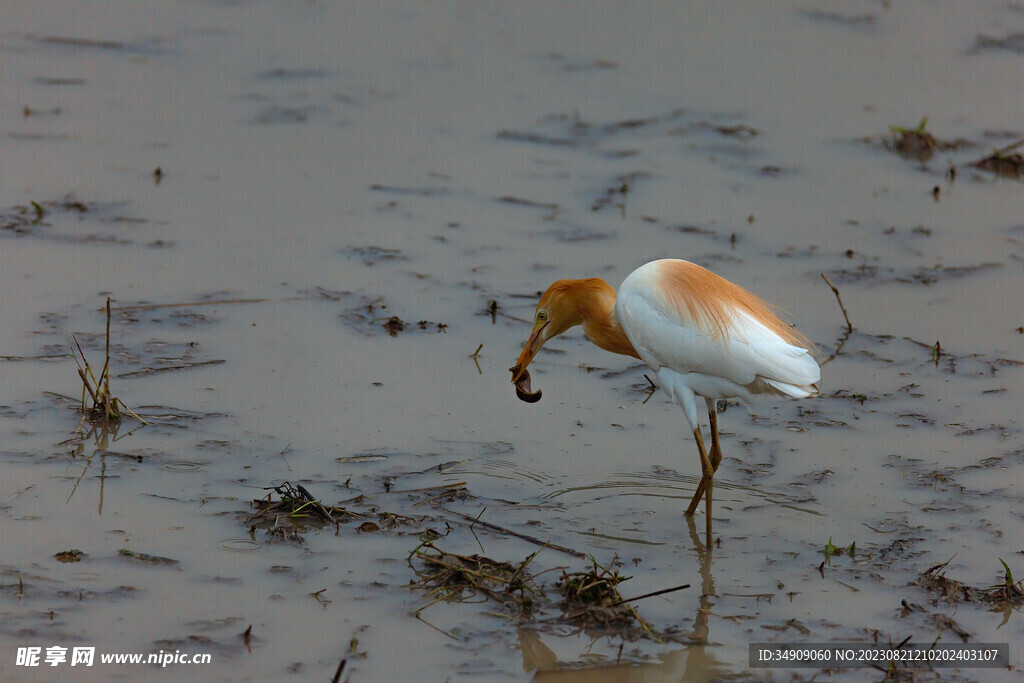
<point>542,316</point>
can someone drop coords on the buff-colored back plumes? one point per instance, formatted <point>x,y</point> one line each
<point>709,300</point>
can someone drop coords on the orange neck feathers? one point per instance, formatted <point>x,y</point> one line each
<point>590,303</point>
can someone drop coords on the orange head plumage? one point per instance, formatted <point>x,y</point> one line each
<point>567,303</point>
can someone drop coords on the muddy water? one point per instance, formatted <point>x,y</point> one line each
<point>324,168</point>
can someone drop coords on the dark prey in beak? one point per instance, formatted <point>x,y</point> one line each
<point>523,385</point>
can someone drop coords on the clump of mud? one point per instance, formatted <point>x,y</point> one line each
<point>913,143</point>
<point>1002,163</point>
<point>70,556</point>
<point>918,144</point>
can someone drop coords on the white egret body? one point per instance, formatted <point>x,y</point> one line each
<point>702,335</point>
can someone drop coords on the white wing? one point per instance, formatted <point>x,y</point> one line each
<point>667,337</point>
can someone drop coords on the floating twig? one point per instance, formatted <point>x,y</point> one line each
<point>217,302</point>
<point>317,595</point>
<point>430,488</point>
<point>1010,147</point>
<point>849,325</point>
<point>650,595</point>
<point>477,519</point>
<point>476,358</point>
<point>509,532</point>
<point>283,451</point>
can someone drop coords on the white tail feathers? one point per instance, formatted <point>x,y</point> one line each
<point>796,391</point>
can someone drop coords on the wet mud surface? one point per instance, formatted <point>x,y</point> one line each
<point>323,250</point>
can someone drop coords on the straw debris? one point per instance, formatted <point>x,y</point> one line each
<point>457,577</point>
<point>1001,596</point>
<point>106,408</point>
<point>591,600</point>
<point>287,518</point>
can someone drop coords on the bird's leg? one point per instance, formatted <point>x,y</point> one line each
<point>716,450</point>
<point>705,485</point>
<point>707,470</point>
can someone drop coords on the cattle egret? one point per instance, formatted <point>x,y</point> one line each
<point>702,335</point>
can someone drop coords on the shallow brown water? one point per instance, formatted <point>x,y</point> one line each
<point>324,168</point>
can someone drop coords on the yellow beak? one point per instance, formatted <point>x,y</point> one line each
<point>532,347</point>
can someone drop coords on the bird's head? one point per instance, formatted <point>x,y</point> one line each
<point>560,308</point>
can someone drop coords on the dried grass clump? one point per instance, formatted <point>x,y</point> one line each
<point>106,408</point>
<point>1005,597</point>
<point>591,600</point>
<point>452,576</point>
<point>293,513</point>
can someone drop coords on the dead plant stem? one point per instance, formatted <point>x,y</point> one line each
<point>849,325</point>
